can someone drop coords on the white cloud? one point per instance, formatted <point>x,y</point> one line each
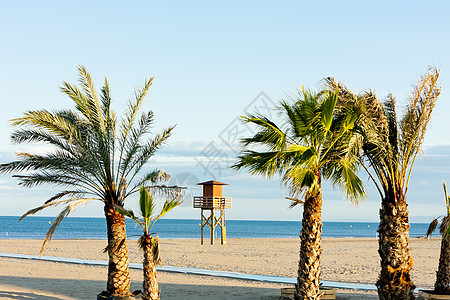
<point>424,183</point>
<point>255,197</point>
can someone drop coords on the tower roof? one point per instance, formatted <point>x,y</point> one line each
<point>212,182</point>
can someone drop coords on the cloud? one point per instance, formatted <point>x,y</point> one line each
<point>183,149</point>
<point>255,197</point>
<point>424,183</point>
<point>9,152</point>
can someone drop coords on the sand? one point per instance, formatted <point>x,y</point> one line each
<point>353,260</point>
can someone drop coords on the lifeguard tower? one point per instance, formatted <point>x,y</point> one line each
<point>211,201</point>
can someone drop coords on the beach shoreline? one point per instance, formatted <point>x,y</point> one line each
<point>349,260</point>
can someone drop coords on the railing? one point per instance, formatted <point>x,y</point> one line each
<point>212,202</point>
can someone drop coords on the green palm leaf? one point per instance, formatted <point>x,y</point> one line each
<point>327,108</point>
<point>146,203</point>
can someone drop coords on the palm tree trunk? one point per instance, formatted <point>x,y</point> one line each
<point>150,286</point>
<point>118,272</point>
<point>442,285</point>
<point>394,282</point>
<point>308,274</point>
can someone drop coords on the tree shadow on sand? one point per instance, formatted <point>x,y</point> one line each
<point>25,295</point>
<point>57,289</point>
<point>217,292</point>
<point>49,288</point>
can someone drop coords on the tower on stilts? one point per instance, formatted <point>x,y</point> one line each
<point>211,201</point>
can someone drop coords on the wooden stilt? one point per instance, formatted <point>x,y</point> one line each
<point>213,225</point>
<point>202,224</point>
<point>212,221</point>
<point>223,229</point>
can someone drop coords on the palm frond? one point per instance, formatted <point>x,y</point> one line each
<point>303,116</point>
<point>75,203</point>
<point>391,117</point>
<point>154,245</point>
<point>267,164</point>
<point>444,229</point>
<point>300,180</point>
<point>269,134</point>
<point>327,110</point>
<point>147,151</point>
<point>133,145</point>
<point>447,198</point>
<point>53,203</point>
<point>154,177</point>
<point>79,194</point>
<point>106,101</point>
<point>128,121</point>
<point>32,136</point>
<point>418,114</point>
<point>93,109</point>
<point>167,192</point>
<point>110,125</point>
<point>345,178</point>
<point>78,97</point>
<point>157,260</point>
<point>146,203</point>
<point>70,134</point>
<point>58,163</point>
<point>114,244</point>
<point>294,202</point>
<point>46,178</point>
<point>47,121</point>
<point>433,225</point>
<point>158,177</point>
<point>168,206</point>
<point>127,213</point>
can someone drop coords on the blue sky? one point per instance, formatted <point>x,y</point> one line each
<point>211,61</point>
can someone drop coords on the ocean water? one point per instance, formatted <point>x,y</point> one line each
<point>95,228</point>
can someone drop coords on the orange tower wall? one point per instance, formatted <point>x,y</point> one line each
<point>212,190</point>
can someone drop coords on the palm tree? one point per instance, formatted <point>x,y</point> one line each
<point>315,141</point>
<point>92,161</point>
<point>390,148</point>
<point>148,243</point>
<point>442,284</point>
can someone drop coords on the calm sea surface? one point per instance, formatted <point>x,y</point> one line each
<point>95,228</point>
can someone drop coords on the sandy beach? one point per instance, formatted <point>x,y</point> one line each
<point>350,260</point>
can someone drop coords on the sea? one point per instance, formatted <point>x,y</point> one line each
<point>95,228</point>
